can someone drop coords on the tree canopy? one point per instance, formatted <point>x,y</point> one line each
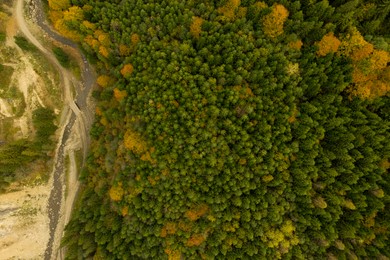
<point>235,130</point>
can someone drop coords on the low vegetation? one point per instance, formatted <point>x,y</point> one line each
<point>62,57</point>
<point>5,78</point>
<point>24,44</point>
<point>15,156</point>
<point>2,37</point>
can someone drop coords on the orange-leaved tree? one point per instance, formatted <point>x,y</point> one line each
<point>196,26</point>
<point>119,94</point>
<point>369,66</point>
<point>127,70</point>
<point>355,46</point>
<point>134,38</point>
<point>328,44</point>
<point>297,45</point>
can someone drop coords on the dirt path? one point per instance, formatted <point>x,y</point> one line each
<point>74,127</point>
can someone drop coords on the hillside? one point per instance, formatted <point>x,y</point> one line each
<point>28,86</point>
<point>42,78</point>
<point>234,129</point>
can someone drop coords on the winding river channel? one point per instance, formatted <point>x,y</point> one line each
<point>79,115</point>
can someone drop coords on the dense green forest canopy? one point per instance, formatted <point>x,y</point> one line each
<point>234,129</point>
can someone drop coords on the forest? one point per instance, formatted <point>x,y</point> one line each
<point>234,129</point>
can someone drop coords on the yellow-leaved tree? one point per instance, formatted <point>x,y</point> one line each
<point>124,50</point>
<point>104,80</point>
<point>116,192</point>
<point>59,5</point>
<point>66,18</point>
<point>230,8</point>
<point>134,142</point>
<point>273,22</point>
<point>282,237</point>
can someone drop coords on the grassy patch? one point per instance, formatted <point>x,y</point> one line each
<point>8,54</point>
<point>7,2</point>
<point>36,173</point>
<point>24,44</point>
<point>27,210</point>
<point>7,129</point>
<point>76,70</point>
<point>5,77</point>
<point>14,98</point>
<point>62,57</point>
<point>52,91</point>
<point>2,37</point>
<point>67,61</point>
<point>79,158</point>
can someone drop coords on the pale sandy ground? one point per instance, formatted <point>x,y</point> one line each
<point>24,228</point>
<point>26,80</point>
<point>24,222</point>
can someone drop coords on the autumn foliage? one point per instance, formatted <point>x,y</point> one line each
<point>230,8</point>
<point>62,14</point>
<point>273,22</point>
<point>59,5</point>
<point>173,254</point>
<point>196,240</point>
<point>283,237</point>
<point>104,51</point>
<point>319,202</point>
<point>119,94</point>
<point>355,46</point>
<point>104,80</point>
<point>296,44</point>
<point>134,142</point>
<point>92,42</point>
<point>168,229</point>
<point>134,38</point>
<point>127,70</point>
<point>328,44</point>
<point>116,192</point>
<point>197,212</point>
<point>369,66</point>
<point>196,26</point>
<point>124,50</point>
